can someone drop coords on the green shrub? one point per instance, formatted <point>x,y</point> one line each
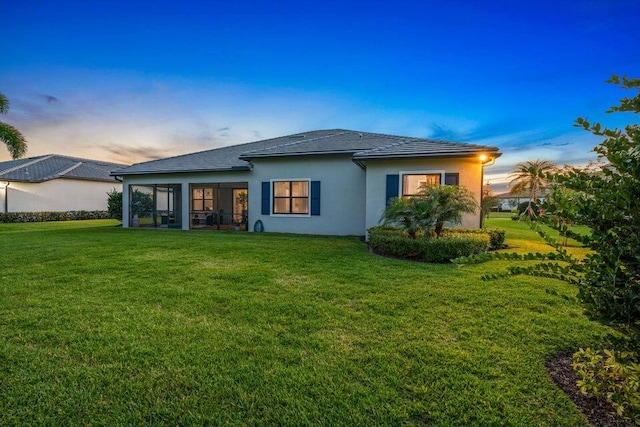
<point>114,204</point>
<point>613,376</point>
<point>496,235</point>
<point>522,207</point>
<point>52,216</point>
<point>391,242</point>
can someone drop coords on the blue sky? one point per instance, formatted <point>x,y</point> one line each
<point>133,81</point>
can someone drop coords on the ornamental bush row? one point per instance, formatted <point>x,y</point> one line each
<point>52,216</point>
<point>496,235</point>
<point>391,242</point>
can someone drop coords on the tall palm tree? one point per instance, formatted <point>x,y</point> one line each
<point>530,178</point>
<point>10,136</point>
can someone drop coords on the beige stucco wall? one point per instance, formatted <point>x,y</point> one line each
<point>470,170</point>
<point>57,195</point>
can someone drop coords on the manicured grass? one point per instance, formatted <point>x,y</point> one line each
<point>493,215</point>
<point>105,326</point>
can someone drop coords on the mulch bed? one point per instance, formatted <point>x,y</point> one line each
<point>598,412</point>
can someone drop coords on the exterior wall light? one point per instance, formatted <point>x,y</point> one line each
<point>486,160</point>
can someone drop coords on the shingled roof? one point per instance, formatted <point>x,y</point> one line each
<point>360,145</point>
<point>52,166</point>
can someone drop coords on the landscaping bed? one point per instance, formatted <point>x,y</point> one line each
<point>453,243</point>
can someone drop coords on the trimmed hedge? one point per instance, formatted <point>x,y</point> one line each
<point>52,216</point>
<point>391,242</point>
<point>496,235</point>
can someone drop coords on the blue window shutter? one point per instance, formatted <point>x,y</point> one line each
<point>315,197</point>
<point>451,179</point>
<point>393,182</point>
<point>266,198</point>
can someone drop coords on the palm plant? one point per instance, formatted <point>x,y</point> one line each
<point>413,215</point>
<point>428,211</point>
<point>530,178</point>
<point>452,202</point>
<point>10,136</point>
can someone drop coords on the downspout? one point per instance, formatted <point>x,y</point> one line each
<point>481,192</point>
<point>485,160</point>
<point>6,197</point>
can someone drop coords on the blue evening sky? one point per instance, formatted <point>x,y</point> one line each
<point>134,81</point>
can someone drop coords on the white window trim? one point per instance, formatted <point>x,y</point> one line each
<point>418,172</point>
<point>271,181</point>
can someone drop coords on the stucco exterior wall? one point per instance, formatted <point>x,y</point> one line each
<point>342,200</point>
<point>470,171</point>
<point>56,195</point>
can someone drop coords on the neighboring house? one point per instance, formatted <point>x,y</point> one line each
<point>55,183</point>
<point>509,201</point>
<point>320,182</point>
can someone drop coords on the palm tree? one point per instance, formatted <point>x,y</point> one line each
<point>412,215</point>
<point>530,177</point>
<point>12,138</point>
<point>428,210</point>
<point>452,202</point>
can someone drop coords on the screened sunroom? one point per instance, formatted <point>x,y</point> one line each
<point>155,206</point>
<point>219,206</point>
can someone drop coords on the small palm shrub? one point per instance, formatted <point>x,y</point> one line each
<point>428,211</point>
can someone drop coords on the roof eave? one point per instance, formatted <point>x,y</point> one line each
<point>164,172</point>
<point>422,156</point>
<point>74,178</point>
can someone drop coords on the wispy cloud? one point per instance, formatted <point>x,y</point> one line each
<point>49,99</point>
<point>131,119</point>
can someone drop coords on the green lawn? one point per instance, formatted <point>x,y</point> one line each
<point>105,326</point>
<point>506,215</point>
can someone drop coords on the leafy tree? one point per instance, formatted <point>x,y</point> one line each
<point>428,211</point>
<point>114,204</point>
<point>530,178</point>
<point>606,198</point>
<point>608,201</point>
<point>10,136</point>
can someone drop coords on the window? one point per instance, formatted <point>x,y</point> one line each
<point>411,183</point>
<point>291,197</point>
<point>202,199</point>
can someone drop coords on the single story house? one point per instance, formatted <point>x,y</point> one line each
<point>56,183</point>
<point>334,182</point>
<point>509,201</point>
